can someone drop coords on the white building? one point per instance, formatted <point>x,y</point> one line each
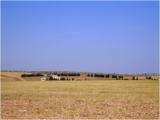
<point>51,77</point>
<point>43,78</point>
<point>55,77</point>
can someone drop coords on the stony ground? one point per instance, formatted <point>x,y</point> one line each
<point>118,99</point>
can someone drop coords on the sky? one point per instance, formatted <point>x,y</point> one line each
<point>107,37</point>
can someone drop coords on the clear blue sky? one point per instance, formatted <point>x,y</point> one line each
<point>108,37</point>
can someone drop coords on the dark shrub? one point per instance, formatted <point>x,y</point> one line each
<point>148,77</point>
<point>133,78</point>
<point>62,78</point>
<point>121,77</point>
<point>50,78</point>
<point>32,75</point>
<point>114,76</point>
<point>107,76</point>
<point>99,75</point>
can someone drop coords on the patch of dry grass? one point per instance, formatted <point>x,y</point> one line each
<point>11,75</point>
<point>80,99</point>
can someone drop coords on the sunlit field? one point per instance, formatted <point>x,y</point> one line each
<point>80,99</point>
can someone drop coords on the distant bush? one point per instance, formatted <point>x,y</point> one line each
<point>62,78</point>
<point>148,77</point>
<point>99,75</point>
<point>120,77</point>
<point>92,75</point>
<point>62,74</point>
<point>68,74</point>
<point>114,76</point>
<point>73,74</point>
<point>32,75</point>
<point>107,76</point>
<point>50,78</point>
<point>134,78</point>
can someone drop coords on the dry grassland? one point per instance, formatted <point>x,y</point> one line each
<point>116,99</point>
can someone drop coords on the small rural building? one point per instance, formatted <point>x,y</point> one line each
<point>51,77</point>
<point>55,77</point>
<point>44,78</point>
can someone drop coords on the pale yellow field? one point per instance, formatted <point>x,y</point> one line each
<point>80,99</point>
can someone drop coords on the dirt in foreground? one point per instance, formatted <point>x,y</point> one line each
<point>80,99</point>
